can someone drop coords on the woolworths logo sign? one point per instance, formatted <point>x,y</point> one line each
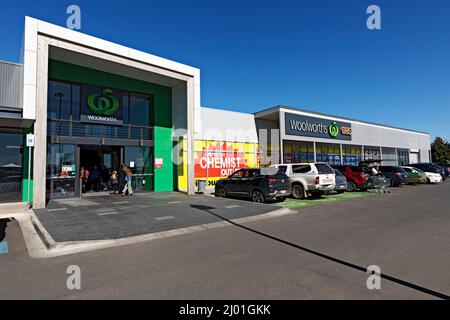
<point>101,105</point>
<point>105,104</point>
<point>300,125</point>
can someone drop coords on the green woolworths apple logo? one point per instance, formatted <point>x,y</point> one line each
<point>105,104</point>
<point>333,130</point>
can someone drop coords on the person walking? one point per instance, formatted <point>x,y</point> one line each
<point>122,177</point>
<point>128,187</point>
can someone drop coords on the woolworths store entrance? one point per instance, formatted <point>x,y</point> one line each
<point>92,130</point>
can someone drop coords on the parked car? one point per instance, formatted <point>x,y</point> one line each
<point>446,168</point>
<point>397,175</point>
<point>415,175</point>
<point>341,182</point>
<point>309,179</point>
<point>433,177</point>
<point>429,167</point>
<point>258,184</point>
<point>356,178</point>
<point>442,172</point>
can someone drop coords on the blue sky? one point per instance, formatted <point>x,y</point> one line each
<point>317,55</point>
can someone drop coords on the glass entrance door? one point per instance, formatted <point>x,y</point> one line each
<point>140,161</point>
<point>96,166</point>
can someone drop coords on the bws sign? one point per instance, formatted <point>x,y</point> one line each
<point>299,125</point>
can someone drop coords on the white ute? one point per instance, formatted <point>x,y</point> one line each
<point>309,179</point>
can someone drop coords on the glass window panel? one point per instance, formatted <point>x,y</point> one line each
<point>140,111</point>
<point>11,146</point>
<point>76,102</point>
<point>59,100</point>
<point>140,161</point>
<point>60,170</point>
<point>126,109</point>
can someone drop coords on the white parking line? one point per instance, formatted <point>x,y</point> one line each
<point>165,218</point>
<point>174,202</point>
<point>59,209</point>
<point>107,213</point>
<point>121,202</point>
<point>233,206</point>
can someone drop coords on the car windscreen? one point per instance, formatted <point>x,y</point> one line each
<point>269,171</point>
<point>399,170</point>
<point>338,173</point>
<point>323,168</point>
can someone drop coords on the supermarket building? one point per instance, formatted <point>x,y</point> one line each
<point>92,104</point>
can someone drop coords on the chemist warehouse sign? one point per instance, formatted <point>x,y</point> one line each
<point>220,160</point>
<point>299,125</point>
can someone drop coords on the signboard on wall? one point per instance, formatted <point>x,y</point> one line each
<point>300,125</point>
<point>101,105</point>
<point>159,163</point>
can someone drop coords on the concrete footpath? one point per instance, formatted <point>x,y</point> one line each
<point>69,226</point>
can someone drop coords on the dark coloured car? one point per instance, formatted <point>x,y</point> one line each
<point>258,184</point>
<point>341,182</point>
<point>397,175</point>
<point>446,169</point>
<point>442,172</point>
<point>356,178</point>
<point>429,167</point>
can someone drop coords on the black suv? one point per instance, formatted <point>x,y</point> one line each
<point>258,184</point>
<point>397,175</point>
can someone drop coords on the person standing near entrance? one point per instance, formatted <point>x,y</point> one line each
<point>95,179</point>
<point>122,177</point>
<point>84,177</point>
<point>114,183</point>
<point>128,178</point>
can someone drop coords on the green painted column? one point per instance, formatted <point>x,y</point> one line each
<point>25,158</point>
<point>163,142</point>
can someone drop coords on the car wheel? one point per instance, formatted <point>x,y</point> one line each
<point>257,196</point>
<point>351,186</point>
<point>221,192</point>
<point>428,181</point>
<point>298,192</point>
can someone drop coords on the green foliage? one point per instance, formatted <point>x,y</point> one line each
<point>440,151</point>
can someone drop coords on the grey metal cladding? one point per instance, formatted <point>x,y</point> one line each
<point>11,85</point>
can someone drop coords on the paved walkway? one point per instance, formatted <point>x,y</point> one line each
<point>115,217</point>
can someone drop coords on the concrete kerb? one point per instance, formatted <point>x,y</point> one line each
<point>41,245</point>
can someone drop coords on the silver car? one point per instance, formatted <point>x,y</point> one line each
<point>341,182</point>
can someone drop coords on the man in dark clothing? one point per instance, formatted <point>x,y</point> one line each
<point>122,177</point>
<point>3,223</point>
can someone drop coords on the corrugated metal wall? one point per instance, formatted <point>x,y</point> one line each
<point>11,80</point>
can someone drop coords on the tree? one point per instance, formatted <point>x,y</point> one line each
<point>440,151</point>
